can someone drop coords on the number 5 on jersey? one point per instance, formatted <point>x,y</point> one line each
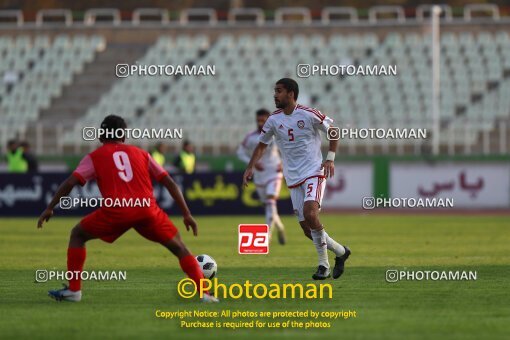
<point>290,132</point>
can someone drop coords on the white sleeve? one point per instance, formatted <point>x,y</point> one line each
<point>321,121</point>
<point>326,124</point>
<point>242,154</point>
<point>266,136</point>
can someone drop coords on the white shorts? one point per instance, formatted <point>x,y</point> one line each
<point>311,190</point>
<point>270,188</point>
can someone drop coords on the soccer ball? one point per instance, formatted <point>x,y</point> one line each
<point>207,265</point>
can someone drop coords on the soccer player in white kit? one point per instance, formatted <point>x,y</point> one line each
<point>267,175</point>
<point>296,130</point>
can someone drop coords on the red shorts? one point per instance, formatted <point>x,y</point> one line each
<point>108,225</point>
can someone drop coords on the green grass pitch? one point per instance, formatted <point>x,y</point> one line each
<point>406,310</point>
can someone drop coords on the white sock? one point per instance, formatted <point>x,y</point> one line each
<point>276,218</point>
<point>334,246</point>
<point>269,212</point>
<point>269,218</point>
<point>319,240</point>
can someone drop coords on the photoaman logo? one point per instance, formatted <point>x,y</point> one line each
<point>253,239</point>
<point>187,288</point>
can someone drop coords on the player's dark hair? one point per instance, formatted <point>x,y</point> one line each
<point>109,126</point>
<point>262,112</point>
<point>290,85</point>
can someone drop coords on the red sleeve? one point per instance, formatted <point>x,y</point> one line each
<point>156,171</point>
<point>85,170</point>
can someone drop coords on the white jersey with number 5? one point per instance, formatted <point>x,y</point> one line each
<point>299,141</point>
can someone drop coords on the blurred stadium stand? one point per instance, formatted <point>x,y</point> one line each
<point>67,76</point>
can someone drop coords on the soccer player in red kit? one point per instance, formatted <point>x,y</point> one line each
<point>123,172</point>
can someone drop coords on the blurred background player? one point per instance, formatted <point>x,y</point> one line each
<point>295,129</point>
<point>122,171</point>
<point>158,153</point>
<point>267,174</point>
<point>185,161</point>
<point>30,158</point>
<point>16,163</point>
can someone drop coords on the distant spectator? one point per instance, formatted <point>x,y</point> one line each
<point>10,79</point>
<point>185,161</point>
<point>15,161</point>
<point>33,164</point>
<point>158,153</point>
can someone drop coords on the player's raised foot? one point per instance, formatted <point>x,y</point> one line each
<point>65,294</point>
<point>322,273</point>
<point>340,263</point>
<point>281,237</point>
<point>209,299</point>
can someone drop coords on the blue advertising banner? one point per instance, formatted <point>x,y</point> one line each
<point>206,194</point>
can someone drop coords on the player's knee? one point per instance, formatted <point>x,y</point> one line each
<point>76,234</point>
<point>178,248</point>
<point>311,215</point>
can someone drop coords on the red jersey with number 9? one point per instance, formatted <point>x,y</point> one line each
<point>121,171</point>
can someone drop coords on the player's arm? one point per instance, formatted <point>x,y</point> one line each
<point>324,123</point>
<point>176,194</point>
<point>84,172</point>
<point>63,190</point>
<point>158,173</point>
<point>255,157</point>
<point>329,163</point>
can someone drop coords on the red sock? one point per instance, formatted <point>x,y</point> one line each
<point>75,261</point>
<point>189,265</point>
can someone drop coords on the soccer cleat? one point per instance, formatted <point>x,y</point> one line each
<point>207,298</point>
<point>322,273</point>
<point>65,294</point>
<point>339,263</point>
<point>281,237</point>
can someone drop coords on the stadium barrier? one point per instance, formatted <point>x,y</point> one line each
<point>206,194</point>
<point>470,13</point>
<point>469,183</point>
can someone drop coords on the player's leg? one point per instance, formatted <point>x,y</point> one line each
<point>272,211</point>
<point>261,192</point>
<point>272,193</point>
<point>297,199</point>
<point>315,189</point>
<point>333,246</point>
<point>76,254</point>
<point>304,212</point>
<point>306,229</point>
<point>188,263</point>
<point>311,214</point>
<point>160,229</point>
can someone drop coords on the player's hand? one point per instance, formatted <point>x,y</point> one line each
<point>248,174</point>
<point>45,217</point>
<point>329,169</point>
<point>279,168</point>
<point>190,222</point>
<point>259,166</point>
